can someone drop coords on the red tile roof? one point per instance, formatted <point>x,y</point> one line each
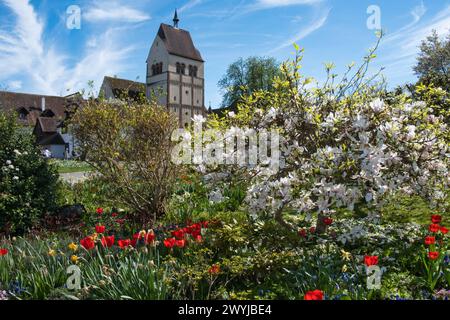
<point>31,103</point>
<point>179,42</point>
<point>48,125</point>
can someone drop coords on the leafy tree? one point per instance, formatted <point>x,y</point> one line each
<point>244,77</point>
<point>433,63</point>
<point>129,144</point>
<point>27,181</point>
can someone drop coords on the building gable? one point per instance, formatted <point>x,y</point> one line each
<point>179,42</point>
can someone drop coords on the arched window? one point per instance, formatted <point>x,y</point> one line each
<point>195,69</point>
<point>178,68</point>
<point>160,67</point>
<point>183,69</point>
<point>153,70</point>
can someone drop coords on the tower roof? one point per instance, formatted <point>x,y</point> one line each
<point>179,42</point>
<point>175,19</point>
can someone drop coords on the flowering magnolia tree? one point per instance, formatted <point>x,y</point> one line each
<point>343,145</point>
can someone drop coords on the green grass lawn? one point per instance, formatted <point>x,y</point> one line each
<point>71,166</point>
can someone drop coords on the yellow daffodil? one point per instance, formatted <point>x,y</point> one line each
<point>73,247</point>
<point>74,259</point>
<point>142,234</point>
<point>346,255</point>
<point>52,253</point>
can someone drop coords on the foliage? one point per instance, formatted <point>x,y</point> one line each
<point>433,63</point>
<point>70,166</point>
<point>128,144</point>
<point>244,77</point>
<point>91,193</point>
<point>343,146</point>
<point>230,257</point>
<point>27,180</point>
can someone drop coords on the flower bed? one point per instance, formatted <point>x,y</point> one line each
<point>230,260</point>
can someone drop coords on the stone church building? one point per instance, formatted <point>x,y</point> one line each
<point>175,74</point>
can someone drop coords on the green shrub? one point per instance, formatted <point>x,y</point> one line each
<point>129,145</point>
<point>27,180</point>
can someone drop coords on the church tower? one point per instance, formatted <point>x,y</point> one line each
<point>175,73</point>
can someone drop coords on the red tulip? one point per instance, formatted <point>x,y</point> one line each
<point>196,233</point>
<point>302,233</point>
<point>434,228</point>
<point>100,211</point>
<point>328,221</point>
<point>430,240</point>
<point>180,243</point>
<point>179,234</point>
<point>371,260</point>
<point>314,295</point>
<point>3,252</point>
<point>433,255</point>
<point>198,238</point>
<point>87,243</point>
<point>444,230</point>
<point>108,242</point>
<point>100,229</point>
<point>436,218</point>
<point>312,230</point>
<point>215,269</point>
<point>149,238</point>
<point>205,224</point>
<point>169,243</point>
<point>123,244</point>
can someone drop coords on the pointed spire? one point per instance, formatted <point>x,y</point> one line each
<point>175,19</point>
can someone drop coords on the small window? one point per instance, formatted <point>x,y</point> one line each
<point>187,113</point>
<point>187,92</point>
<point>175,98</point>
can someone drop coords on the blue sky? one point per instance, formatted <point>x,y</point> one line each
<point>39,54</point>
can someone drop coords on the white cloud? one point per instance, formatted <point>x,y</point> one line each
<point>24,54</point>
<point>418,12</point>
<point>258,5</point>
<point>315,25</point>
<point>189,5</point>
<point>14,85</point>
<point>103,57</point>
<point>283,3</point>
<point>107,11</point>
<point>400,49</point>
